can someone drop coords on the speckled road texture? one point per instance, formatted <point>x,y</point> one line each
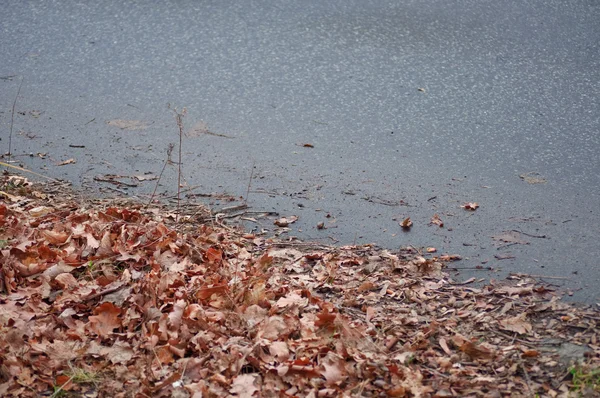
<point>413,108</point>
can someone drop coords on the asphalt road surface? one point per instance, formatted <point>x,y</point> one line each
<point>410,109</point>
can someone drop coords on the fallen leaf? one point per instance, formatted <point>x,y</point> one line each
<point>54,237</point>
<point>325,319</point>
<point>472,206</point>
<point>517,324</point>
<point>68,161</point>
<point>292,298</point>
<point>406,223</point>
<point>475,351</point>
<point>243,386</point>
<point>147,177</point>
<point>436,220</point>
<point>444,345</point>
<point>503,256</point>
<point>512,237</point>
<point>366,286</point>
<point>285,221</point>
<point>530,354</point>
<point>127,124</point>
<point>532,178</point>
<point>451,257</point>
<point>106,319</point>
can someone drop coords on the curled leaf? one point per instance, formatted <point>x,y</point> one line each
<point>406,223</point>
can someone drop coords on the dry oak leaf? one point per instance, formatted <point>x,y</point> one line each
<point>437,220</point>
<point>516,324</point>
<point>325,319</point>
<point>243,386</point>
<point>55,237</point>
<point>285,221</point>
<point>406,223</point>
<point>333,371</point>
<point>292,299</point>
<point>40,211</point>
<point>280,350</point>
<point>475,351</point>
<point>472,206</point>
<point>106,319</point>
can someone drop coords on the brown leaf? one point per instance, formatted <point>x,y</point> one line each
<point>292,298</point>
<point>325,319</point>
<point>366,286</point>
<point>516,324</point>
<point>530,354</point>
<point>41,211</point>
<point>334,371</point>
<point>214,255</point>
<point>68,161</point>
<point>532,178</point>
<point>106,319</point>
<point>444,346</point>
<point>472,206</point>
<point>54,237</point>
<point>475,351</point>
<point>243,386</point>
<point>450,257</point>
<point>279,349</point>
<point>406,223</point>
<point>436,220</point>
<point>285,221</point>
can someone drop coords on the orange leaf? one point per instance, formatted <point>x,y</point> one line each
<point>366,287</point>
<point>106,319</point>
<point>325,319</point>
<point>475,351</point>
<point>530,354</point>
<point>214,255</point>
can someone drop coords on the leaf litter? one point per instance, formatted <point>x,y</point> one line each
<point>108,298</point>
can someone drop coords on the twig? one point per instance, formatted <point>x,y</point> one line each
<point>12,120</point>
<point>167,161</point>
<point>435,372</point>
<point>527,379</point>
<point>103,293</point>
<point>59,389</point>
<point>514,338</point>
<point>178,118</point>
<point>27,171</point>
<point>530,235</point>
<point>249,183</point>
<point>540,276</point>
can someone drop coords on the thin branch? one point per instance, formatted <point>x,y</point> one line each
<point>179,119</point>
<point>249,183</point>
<point>167,161</point>
<point>12,120</point>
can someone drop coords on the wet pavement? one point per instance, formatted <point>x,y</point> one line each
<point>356,114</point>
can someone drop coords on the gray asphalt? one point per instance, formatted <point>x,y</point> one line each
<point>412,108</point>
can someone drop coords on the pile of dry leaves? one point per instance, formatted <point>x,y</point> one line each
<point>105,300</point>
